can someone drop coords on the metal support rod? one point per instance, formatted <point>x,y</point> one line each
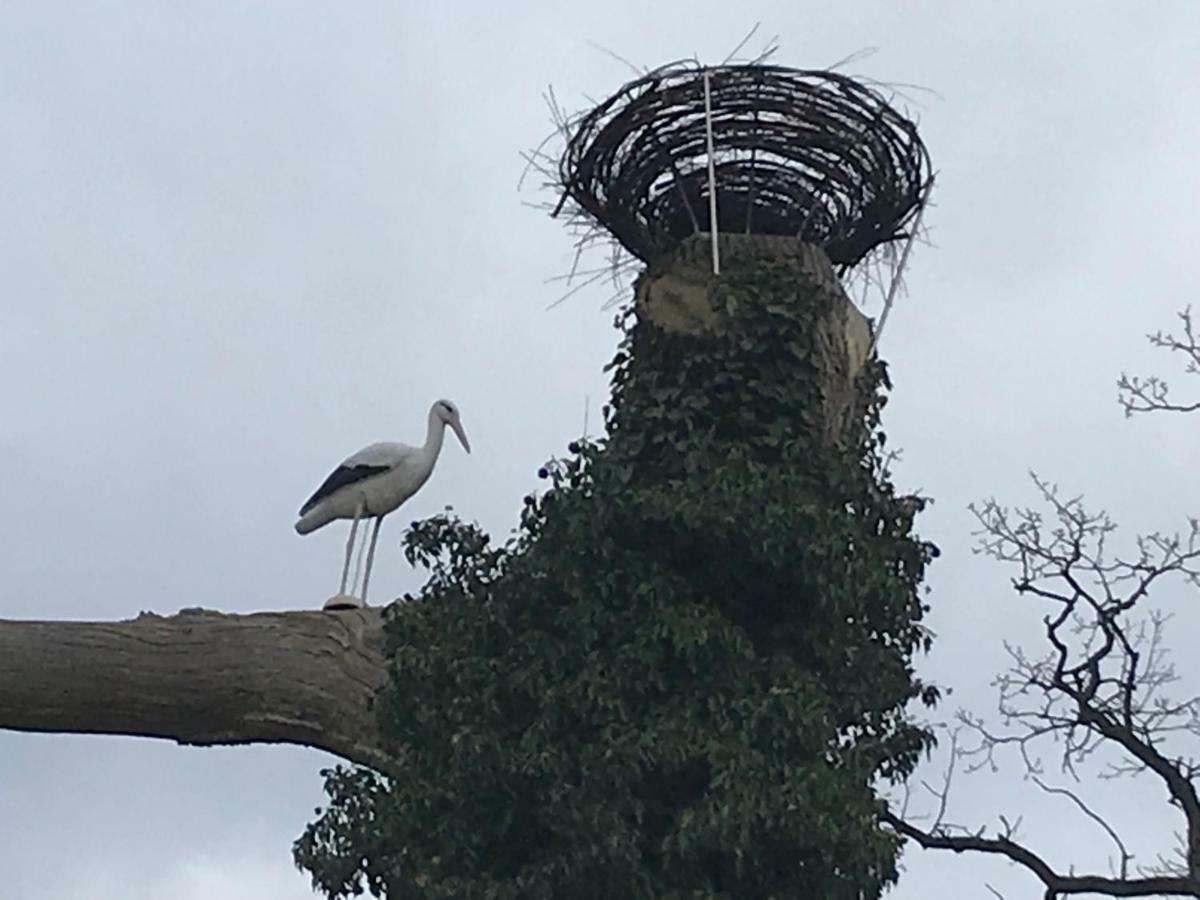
<point>898,273</point>
<point>712,177</point>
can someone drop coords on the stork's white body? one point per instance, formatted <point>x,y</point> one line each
<point>407,470</point>
<point>372,483</point>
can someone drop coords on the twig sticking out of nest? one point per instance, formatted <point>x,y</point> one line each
<point>807,153</point>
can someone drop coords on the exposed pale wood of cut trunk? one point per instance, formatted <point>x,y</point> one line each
<point>677,294</point>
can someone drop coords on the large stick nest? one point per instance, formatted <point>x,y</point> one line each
<point>807,153</point>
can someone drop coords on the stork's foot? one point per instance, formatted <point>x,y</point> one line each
<point>343,601</point>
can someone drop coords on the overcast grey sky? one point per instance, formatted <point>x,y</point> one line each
<point>240,240</point>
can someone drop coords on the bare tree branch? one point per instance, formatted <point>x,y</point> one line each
<point>1101,680</point>
<point>1152,394</point>
<point>202,678</point>
<point>1103,685</point>
<point>1056,883</point>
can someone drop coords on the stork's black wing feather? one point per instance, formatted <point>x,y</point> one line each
<point>339,478</point>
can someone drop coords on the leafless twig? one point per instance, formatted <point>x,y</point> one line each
<point>1152,394</point>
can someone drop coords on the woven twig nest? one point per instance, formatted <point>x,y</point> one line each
<point>809,154</point>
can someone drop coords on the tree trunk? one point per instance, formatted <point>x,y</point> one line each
<point>679,294</point>
<point>202,678</point>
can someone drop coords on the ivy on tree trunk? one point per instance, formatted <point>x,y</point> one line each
<point>684,674</point>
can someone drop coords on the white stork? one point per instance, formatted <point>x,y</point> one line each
<point>373,482</point>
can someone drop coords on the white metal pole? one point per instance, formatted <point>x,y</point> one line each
<point>712,177</point>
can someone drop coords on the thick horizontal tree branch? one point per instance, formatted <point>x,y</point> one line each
<point>1056,884</point>
<point>202,678</point>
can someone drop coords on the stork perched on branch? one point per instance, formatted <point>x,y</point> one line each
<point>373,482</point>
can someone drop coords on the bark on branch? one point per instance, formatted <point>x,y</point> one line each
<point>202,678</point>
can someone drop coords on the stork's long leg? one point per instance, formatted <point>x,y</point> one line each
<point>350,546</point>
<point>371,558</point>
<point>358,563</point>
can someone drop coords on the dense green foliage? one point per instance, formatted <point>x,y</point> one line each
<point>682,677</point>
